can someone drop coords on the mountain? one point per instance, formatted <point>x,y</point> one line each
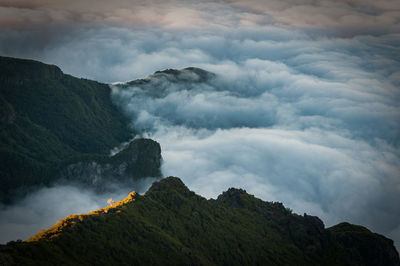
<point>158,84</point>
<point>50,120</point>
<point>141,158</point>
<point>56,128</point>
<point>171,225</point>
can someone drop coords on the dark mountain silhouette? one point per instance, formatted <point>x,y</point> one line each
<point>50,120</point>
<point>171,225</point>
<point>55,127</point>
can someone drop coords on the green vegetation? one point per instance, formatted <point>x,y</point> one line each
<point>171,225</point>
<point>54,126</point>
<point>47,118</point>
<point>141,158</point>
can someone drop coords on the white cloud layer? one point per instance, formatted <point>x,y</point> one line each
<point>304,109</point>
<point>44,207</point>
<point>312,123</point>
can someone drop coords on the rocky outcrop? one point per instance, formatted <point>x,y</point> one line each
<point>156,85</point>
<point>360,244</point>
<point>141,158</point>
<point>49,119</point>
<point>7,113</point>
<point>22,71</point>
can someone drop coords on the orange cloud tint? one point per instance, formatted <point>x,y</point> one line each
<point>346,15</point>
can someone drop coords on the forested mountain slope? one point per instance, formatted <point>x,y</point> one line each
<point>48,120</point>
<point>171,225</point>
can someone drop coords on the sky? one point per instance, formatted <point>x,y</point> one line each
<point>303,108</point>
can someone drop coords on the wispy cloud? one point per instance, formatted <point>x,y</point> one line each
<point>304,109</point>
<point>310,122</point>
<point>44,207</point>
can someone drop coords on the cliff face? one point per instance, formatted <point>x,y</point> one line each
<point>141,158</point>
<point>171,225</point>
<point>49,119</point>
<point>20,71</point>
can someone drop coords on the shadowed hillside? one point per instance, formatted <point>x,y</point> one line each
<point>49,120</point>
<point>171,225</point>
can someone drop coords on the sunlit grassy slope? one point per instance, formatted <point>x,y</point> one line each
<point>47,117</point>
<point>171,225</point>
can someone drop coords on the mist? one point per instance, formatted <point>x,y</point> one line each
<point>43,207</point>
<point>326,146</point>
<point>302,109</point>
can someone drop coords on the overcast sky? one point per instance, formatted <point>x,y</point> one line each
<point>304,108</point>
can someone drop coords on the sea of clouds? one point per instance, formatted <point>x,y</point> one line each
<point>304,108</point>
<point>43,207</point>
<point>316,131</point>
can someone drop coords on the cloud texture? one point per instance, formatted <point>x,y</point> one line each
<point>304,108</point>
<point>44,207</point>
<point>325,144</point>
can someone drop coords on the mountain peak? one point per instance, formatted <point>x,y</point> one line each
<point>233,197</point>
<point>189,74</point>
<point>47,120</point>
<point>22,71</point>
<point>172,224</point>
<point>168,185</point>
<point>143,154</point>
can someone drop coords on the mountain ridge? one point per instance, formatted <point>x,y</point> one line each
<point>171,225</point>
<point>48,120</point>
<point>57,127</point>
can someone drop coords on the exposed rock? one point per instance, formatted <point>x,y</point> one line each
<point>48,120</point>
<point>7,113</point>
<point>141,158</point>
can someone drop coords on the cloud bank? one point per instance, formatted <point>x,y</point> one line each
<point>44,207</point>
<point>124,39</point>
<point>303,108</point>
<point>327,147</point>
<point>312,123</point>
